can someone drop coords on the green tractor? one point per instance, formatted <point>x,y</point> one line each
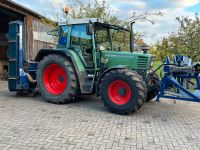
<point>93,56</point>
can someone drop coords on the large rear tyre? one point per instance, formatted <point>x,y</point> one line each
<point>153,87</point>
<point>57,80</point>
<point>123,91</point>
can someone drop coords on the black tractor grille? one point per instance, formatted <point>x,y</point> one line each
<point>142,62</point>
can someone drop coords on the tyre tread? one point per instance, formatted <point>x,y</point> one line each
<point>140,84</point>
<point>74,80</point>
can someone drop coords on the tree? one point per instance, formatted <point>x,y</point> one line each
<point>101,9</point>
<point>97,9</point>
<point>162,49</point>
<point>80,9</point>
<point>187,40</point>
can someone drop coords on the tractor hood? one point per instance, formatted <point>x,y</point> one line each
<point>135,60</point>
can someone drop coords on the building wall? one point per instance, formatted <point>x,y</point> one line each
<point>3,46</point>
<point>36,36</point>
<point>40,37</point>
<point>3,54</point>
<point>28,36</point>
<point>3,61</point>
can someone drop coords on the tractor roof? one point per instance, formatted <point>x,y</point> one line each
<point>83,21</point>
<point>93,20</point>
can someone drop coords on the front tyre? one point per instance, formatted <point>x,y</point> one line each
<point>153,87</point>
<point>57,80</point>
<point>123,91</point>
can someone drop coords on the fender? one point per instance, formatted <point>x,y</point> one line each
<point>78,64</point>
<point>76,60</point>
<point>105,72</point>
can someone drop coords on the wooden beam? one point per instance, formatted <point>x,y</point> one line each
<point>28,22</point>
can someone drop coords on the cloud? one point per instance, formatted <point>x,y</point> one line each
<point>183,3</point>
<point>131,5</point>
<point>172,3</point>
<point>124,8</point>
<point>164,25</point>
<point>40,6</point>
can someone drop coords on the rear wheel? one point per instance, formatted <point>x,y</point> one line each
<point>153,87</point>
<point>123,91</point>
<point>57,79</point>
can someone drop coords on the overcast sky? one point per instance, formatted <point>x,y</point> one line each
<point>152,33</point>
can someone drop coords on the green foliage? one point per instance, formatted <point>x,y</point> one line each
<point>185,42</point>
<point>156,65</point>
<point>99,9</point>
<point>161,50</point>
<point>121,41</point>
<point>81,9</point>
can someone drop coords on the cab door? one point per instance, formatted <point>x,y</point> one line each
<point>82,43</point>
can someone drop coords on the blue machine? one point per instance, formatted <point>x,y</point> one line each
<point>178,78</point>
<point>17,80</point>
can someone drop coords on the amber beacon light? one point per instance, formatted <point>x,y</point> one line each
<point>66,10</point>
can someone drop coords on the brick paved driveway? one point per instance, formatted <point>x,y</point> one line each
<point>31,123</point>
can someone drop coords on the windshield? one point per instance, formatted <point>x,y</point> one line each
<point>102,38</point>
<point>120,40</point>
<point>111,38</point>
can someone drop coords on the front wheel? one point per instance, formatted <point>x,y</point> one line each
<point>123,91</point>
<point>57,80</point>
<point>153,87</point>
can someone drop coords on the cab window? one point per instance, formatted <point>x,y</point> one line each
<point>102,38</point>
<point>63,35</point>
<point>80,39</point>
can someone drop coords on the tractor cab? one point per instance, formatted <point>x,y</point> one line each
<point>92,33</point>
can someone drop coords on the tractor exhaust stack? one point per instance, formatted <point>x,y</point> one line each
<point>131,38</point>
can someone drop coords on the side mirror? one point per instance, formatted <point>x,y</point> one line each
<point>54,32</point>
<point>90,29</point>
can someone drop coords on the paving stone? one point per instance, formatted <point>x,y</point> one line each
<point>31,123</point>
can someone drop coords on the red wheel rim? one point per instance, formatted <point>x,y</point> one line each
<point>119,92</point>
<point>55,79</point>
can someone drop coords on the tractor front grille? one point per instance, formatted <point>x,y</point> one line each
<point>142,62</point>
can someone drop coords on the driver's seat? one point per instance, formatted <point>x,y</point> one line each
<point>86,56</point>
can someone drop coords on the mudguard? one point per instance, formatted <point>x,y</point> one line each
<point>78,64</point>
<point>76,60</point>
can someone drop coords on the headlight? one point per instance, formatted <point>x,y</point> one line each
<point>152,63</point>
